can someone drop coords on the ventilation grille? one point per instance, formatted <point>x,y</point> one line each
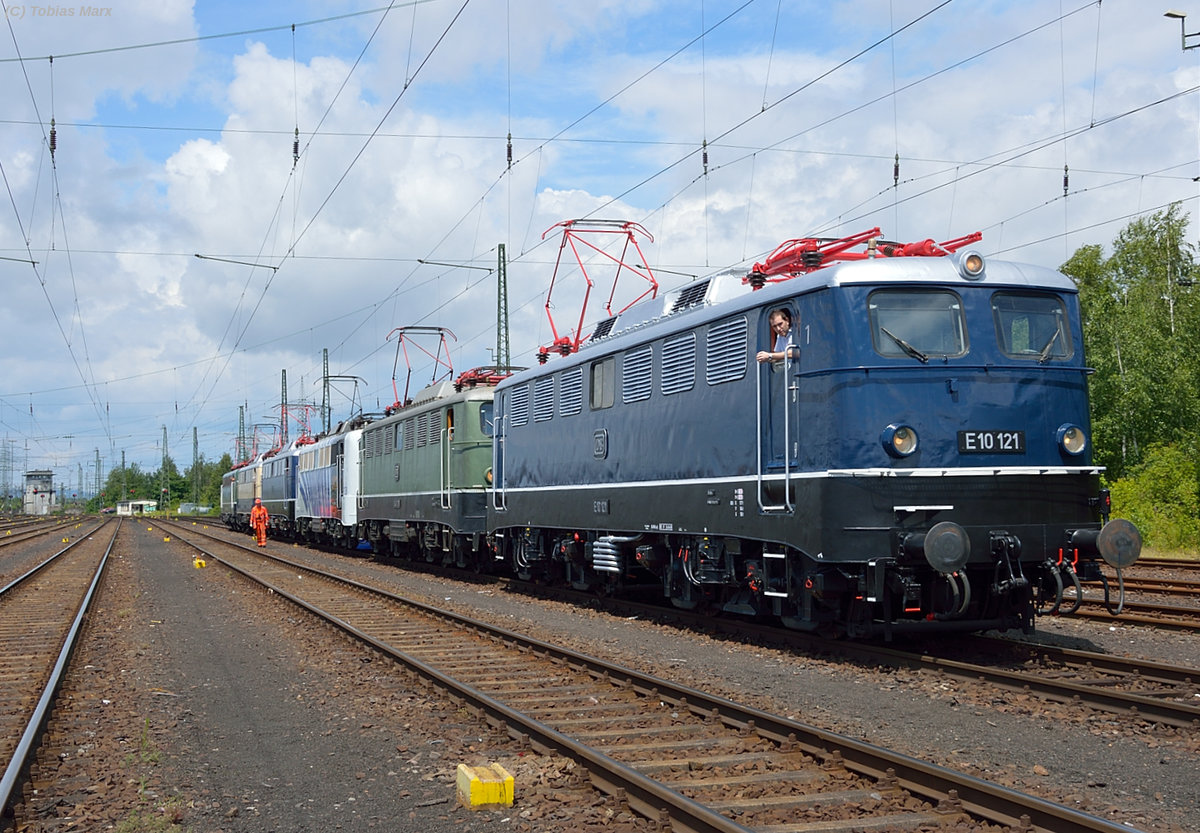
<point>543,399</point>
<point>726,347</point>
<point>603,328</point>
<point>679,364</point>
<point>636,375</point>
<point>690,296</point>
<point>570,395</point>
<point>519,405</point>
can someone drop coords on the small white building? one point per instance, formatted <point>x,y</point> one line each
<point>136,507</point>
<point>39,493</point>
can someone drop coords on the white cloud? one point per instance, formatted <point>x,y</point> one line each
<point>193,155</point>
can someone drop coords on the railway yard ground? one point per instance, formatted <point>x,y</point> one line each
<point>196,702</point>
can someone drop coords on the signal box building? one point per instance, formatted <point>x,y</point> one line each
<point>39,493</point>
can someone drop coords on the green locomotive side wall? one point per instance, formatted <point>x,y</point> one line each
<point>408,452</point>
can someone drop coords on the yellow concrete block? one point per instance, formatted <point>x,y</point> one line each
<point>199,562</point>
<point>480,787</point>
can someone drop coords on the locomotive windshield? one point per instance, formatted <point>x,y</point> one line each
<point>917,323</point>
<point>1031,326</point>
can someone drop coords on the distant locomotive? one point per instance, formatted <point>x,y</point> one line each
<point>915,456</point>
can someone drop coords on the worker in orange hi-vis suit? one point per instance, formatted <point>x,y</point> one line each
<point>258,521</point>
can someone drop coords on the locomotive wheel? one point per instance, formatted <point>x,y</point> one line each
<point>858,619</point>
<point>460,554</point>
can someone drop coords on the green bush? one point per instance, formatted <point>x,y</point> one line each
<point>1162,496</point>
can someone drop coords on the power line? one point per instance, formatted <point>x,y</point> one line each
<point>221,36</point>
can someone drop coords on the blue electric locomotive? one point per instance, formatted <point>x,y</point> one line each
<point>915,458</point>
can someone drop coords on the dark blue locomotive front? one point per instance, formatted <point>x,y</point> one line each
<point>917,458</point>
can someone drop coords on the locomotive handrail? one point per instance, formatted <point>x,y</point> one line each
<point>444,464</point>
<point>763,369</point>
<point>499,446</point>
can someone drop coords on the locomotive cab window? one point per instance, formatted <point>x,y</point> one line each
<point>1031,326</point>
<point>917,323</point>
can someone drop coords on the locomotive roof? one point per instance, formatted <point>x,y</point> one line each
<point>729,286</point>
<point>727,292</point>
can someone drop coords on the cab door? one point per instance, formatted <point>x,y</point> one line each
<point>778,398</point>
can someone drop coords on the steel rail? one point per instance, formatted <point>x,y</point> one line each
<point>27,744</point>
<point>929,781</point>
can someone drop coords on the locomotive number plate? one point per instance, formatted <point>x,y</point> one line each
<point>991,442</point>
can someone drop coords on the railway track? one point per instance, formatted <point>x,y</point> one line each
<point>1141,689</point>
<point>1186,588</point>
<point>1138,689</point>
<point>1150,580</point>
<point>20,532</point>
<point>1146,563</point>
<point>41,613</point>
<point>1159,615</point>
<point>685,759</point>
<point>1127,687</point>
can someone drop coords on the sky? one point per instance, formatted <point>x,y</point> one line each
<point>171,248</point>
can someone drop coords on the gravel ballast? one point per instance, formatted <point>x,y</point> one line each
<point>255,719</point>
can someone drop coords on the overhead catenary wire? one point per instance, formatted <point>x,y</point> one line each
<point>329,195</point>
<point>528,158</point>
<point>82,369</point>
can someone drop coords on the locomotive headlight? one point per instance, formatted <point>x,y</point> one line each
<point>1071,439</point>
<point>487,476</point>
<point>899,440</point>
<point>971,265</point>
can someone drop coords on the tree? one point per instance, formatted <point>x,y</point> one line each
<point>208,475</point>
<point>1141,320</point>
<point>1160,496</point>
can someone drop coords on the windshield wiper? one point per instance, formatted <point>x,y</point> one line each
<point>905,346</point>
<point>1045,353</point>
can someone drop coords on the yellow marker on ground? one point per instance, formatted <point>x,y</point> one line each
<point>482,787</point>
<point>199,562</point>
